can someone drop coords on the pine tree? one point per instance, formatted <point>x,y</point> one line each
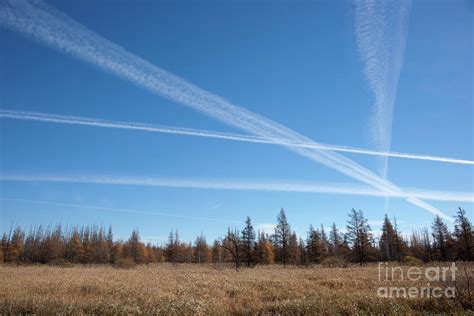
<point>248,242</point>
<point>217,252</point>
<point>32,245</point>
<point>175,251</point>
<point>16,246</point>
<point>101,253</point>
<point>441,238</point>
<point>135,249</point>
<point>464,236</point>
<point>400,244</point>
<point>416,246</point>
<point>325,241</point>
<point>87,245</point>
<point>314,245</point>
<point>76,250</point>
<point>117,255</point>
<point>427,244</point>
<point>109,239</point>
<point>335,240</point>
<point>202,252</point>
<point>282,237</point>
<point>387,240</point>
<point>359,235</point>
<point>265,252</point>
<point>294,254</point>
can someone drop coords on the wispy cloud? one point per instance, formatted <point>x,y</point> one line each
<point>226,184</point>
<point>121,210</point>
<point>47,25</point>
<point>86,121</point>
<point>381,30</point>
<point>216,205</point>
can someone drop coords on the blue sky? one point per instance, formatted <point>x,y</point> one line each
<point>296,64</point>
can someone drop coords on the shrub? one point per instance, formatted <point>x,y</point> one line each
<point>334,262</point>
<point>61,263</point>
<point>412,261</point>
<point>125,263</point>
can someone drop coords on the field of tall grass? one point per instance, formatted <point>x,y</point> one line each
<point>206,289</point>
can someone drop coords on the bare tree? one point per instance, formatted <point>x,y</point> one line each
<point>233,244</point>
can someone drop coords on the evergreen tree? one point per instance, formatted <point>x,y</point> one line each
<point>248,242</point>
<point>217,252</point>
<point>293,250</point>
<point>335,240</point>
<point>117,255</point>
<point>400,245</point>
<point>15,248</point>
<point>202,252</point>
<point>359,235</point>
<point>101,250</point>
<point>325,241</point>
<point>109,239</point>
<point>314,245</point>
<point>387,242</point>
<point>441,238</point>
<point>76,250</point>
<point>464,236</point>
<point>134,248</point>
<point>282,237</point>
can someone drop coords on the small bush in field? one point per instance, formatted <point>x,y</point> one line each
<point>335,262</point>
<point>125,263</point>
<point>412,261</point>
<point>61,263</point>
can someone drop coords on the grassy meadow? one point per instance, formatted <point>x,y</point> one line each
<point>206,289</point>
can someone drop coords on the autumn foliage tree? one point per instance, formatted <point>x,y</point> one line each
<point>95,245</point>
<point>282,237</point>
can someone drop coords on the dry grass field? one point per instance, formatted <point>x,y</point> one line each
<point>203,289</point>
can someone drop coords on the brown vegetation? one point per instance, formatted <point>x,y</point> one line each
<point>203,289</point>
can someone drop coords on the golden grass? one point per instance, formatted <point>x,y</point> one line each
<point>202,289</point>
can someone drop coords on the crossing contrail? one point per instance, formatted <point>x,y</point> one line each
<point>122,210</point>
<point>381,29</point>
<point>52,27</point>
<point>75,120</point>
<point>226,184</point>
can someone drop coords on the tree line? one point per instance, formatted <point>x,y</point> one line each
<point>246,247</point>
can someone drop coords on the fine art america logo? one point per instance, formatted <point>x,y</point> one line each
<point>427,281</point>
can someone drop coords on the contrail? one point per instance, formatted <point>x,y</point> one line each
<point>223,184</point>
<point>75,120</point>
<point>47,25</point>
<point>381,29</point>
<point>122,210</point>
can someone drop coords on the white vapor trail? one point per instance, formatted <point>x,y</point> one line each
<point>381,29</point>
<point>271,186</point>
<point>47,25</point>
<point>121,210</point>
<point>74,120</point>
